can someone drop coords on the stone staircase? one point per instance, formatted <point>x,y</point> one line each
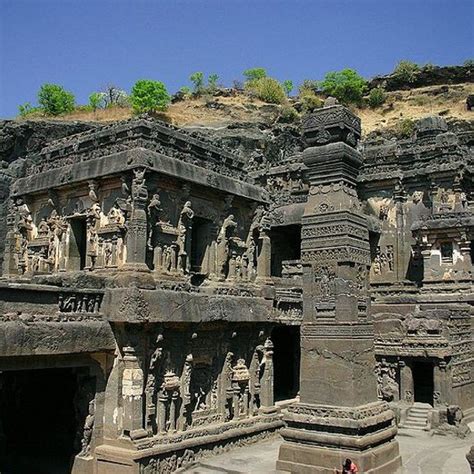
<point>417,418</point>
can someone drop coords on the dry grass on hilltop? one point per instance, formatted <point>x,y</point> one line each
<point>448,101</point>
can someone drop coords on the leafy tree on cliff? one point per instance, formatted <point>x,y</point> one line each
<point>346,86</point>
<point>255,74</point>
<point>197,79</point>
<point>288,86</point>
<point>55,100</point>
<point>149,96</point>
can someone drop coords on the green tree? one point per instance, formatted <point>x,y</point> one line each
<point>212,81</point>
<point>198,80</point>
<point>288,86</point>
<point>55,100</point>
<point>149,96</point>
<point>346,86</point>
<point>255,73</point>
<point>406,71</point>
<point>96,100</point>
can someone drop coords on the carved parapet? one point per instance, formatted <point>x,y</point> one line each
<point>331,124</point>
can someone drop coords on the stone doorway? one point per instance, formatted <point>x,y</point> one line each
<point>286,356</point>
<point>38,421</point>
<point>286,245</point>
<point>423,381</point>
<point>200,243</point>
<point>77,244</point>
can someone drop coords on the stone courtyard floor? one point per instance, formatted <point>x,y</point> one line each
<point>421,454</point>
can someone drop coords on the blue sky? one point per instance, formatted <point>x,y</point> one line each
<point>86,44</point>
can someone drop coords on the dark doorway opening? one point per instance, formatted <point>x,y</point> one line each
<point>77,244</point>
<point>286,245</point>
<point>286,341</point>
<point>200,243</point>
<point>38,421</point>
<point>423,381</point>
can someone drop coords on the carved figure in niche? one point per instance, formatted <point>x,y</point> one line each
<point>93,191</point>
<point>24,216</point>
<point>390,258</point>
<point>383,212</point>
<point>139,190</point>
<point>186,379</point>
<point>417,197</point>
<point>325,279</point>
<point>153,372</point>
<point>154,210</point>
<point>116,215</point>
<point>387,386</point>
<point>223,238</point>
<point>93,217</point>
<point>185,224</point>
<point>43,228</point>
<point>87,432</point>
<point>108,253</point>
<point>380,261</point>
<point>444,197</point>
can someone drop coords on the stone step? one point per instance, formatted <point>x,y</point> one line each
<point>414,424</point>
<point>414,427</point>
<point>422,416</point>
<point>425,406</point>
<point>419,410</point>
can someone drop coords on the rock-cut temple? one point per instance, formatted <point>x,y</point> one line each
<point>162,301</point>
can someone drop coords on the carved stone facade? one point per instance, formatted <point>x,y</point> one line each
<point>150,269</point>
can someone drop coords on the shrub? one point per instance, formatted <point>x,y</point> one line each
<point>149,96</point>
<point>267,89</point>
<point>309,100</point>
<point>185,91</point>
<point>405,128</point>
<point>428,67</point>
<point>55,100</point>
<point>377,97</point>
<point>27,109</point>
<point>255,73</point>
<point>288,114</point>
<point>406,71</point>
<point>96,101</point>
<point>468,63</point>
<point>288,87</point>
<point>421,100</point>
<point>198,80</point>
<point>212,82</point>
<point>346,86</point>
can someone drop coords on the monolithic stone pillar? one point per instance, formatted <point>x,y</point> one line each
<point>266,390</point>
<point>406,382</point>
<point>441,384</point>
<point>132,393</point>
<point>339,415</point>
<point>264,258</point>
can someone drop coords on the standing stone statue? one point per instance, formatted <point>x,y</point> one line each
<point>185,224</point>
<point>223,238</point>
<point>154,209</point>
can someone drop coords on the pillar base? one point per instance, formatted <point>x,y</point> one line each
<point>135,274</point>
<point>319,438</point>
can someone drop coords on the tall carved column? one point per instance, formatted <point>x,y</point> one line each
<point>338,416</point>
<point>135,271</point>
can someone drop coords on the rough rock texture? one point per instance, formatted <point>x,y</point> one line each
<point>427,77</point>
